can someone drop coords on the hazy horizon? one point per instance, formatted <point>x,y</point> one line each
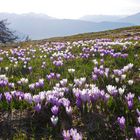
<point>71,9</point>
<point>45,14</point>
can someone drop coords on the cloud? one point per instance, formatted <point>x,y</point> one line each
<point>71,8</point>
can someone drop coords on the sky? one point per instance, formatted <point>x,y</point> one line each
<point>71,9</point>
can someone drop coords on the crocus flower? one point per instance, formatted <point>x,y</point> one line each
<point>69,110</point>
<point>1,59</point>
<point>54,120</point>
<point>58,75</point>
<point>129,96</point>
<point>71,70</point>
<point>121,122</point>
<point>112,90</point>
<point>78,102</point>
<point>32,86</point>
<point>11,85</point>
<point>55,110</point>
<point>0,96</point>
<point>117,80</point>
<point>94,77</point>
<point>130,82</point>
<point>37,107</point>
<point>75,135</point>
<point>71,134</point>
<point>41,82</point>
<point>123,77</point>
<point>137,132</point>
<point>30,68</point>
<point>138,112</point>
<point>48,77</point>
<point>66,135</point>
<point>8,96</point>
<point>129,99</point>
<point>36,98</point>
<point>130,104</point>
<point>28,97</point>
<point>63,82</point>
<point>24,80</point>
<point>121,91</point>
<point>139,119</point>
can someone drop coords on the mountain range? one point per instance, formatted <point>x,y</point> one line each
<point>40,26</point>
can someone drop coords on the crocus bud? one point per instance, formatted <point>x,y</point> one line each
<point>121,122</point>
<point>54,120</point>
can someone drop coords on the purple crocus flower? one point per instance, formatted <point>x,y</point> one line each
<point>129,96</point>
<point>139,98</point>
<point>30,68</point>
<point>11,85</point>
<point>52,75</point>
<point>32,86</point>
<point>137,132</point>
<point>102,61</point>
<point>0,96</point>
<point>130,104</point>
<point>48,77</point>
<point>58,75</point>
<point>75,135</point>
<point>1,59</point>
<point>71,134</point>
<point>37,107</point>
<point>37,84</point>
<point>8,96</point>
<point>129,99</point>
<point>66,134</point>
<point>138,112</point>
<point>55,110</point>
<point>78,102</point>
<point>121,122</point>
<point>36,98</point>
<point>41,82</point>
<point>94,77</point>
<point>28,97</point>
<point>101,72</point>
<point>64,101</point>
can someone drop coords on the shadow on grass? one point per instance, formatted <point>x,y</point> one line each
<point>24,126</point>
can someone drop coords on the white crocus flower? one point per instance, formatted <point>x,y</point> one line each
<point>71,70</point>
<point>54,120</point>
<point>123,76</point>
<point>117,80</point>
<point>130,82</point>
<point>121,91</point>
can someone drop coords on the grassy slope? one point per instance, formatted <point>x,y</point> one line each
<point>117,33</point>
<point>83,68</point>
<point>121,32</point>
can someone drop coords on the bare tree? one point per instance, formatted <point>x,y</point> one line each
<point>6,35</point>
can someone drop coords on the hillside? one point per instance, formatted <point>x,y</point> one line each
<point>81,87</point>
<point>117,33</point>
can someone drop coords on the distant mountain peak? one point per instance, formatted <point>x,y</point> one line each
<point>101,18</point>
<point>135,19</point>
<point>39,26</point>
